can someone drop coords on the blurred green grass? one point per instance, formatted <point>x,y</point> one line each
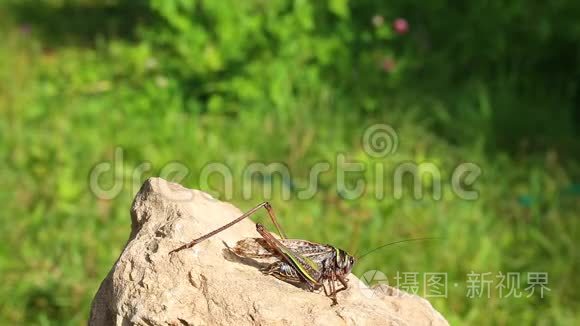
<point>64,109</point>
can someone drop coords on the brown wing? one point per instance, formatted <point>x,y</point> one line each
<point>252,248</point>
<point>258,248</point>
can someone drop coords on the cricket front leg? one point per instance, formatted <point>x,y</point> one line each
<point>333,292</point>
<point>342,281</point>
<point>326,292</point>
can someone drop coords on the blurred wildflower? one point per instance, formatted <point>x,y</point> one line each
<point>161,81</point>
<point>378,20</point>
<point>388,64</point>
<point>151,63</point>
<point>101,86</point>
<point>401,26</point>
<point>25,29</point>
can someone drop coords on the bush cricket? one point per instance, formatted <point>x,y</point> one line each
<point>299,262</point>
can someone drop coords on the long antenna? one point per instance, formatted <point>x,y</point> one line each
<point>396,242</point>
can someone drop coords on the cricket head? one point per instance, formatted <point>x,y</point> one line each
<point>344,261</point>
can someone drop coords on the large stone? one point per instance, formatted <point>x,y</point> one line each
<point>206,285</point>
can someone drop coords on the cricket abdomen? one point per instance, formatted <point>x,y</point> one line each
<point>283,271</point>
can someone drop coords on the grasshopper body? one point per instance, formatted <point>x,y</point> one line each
<point>295,261</point>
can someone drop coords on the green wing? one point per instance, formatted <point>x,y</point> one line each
<point>305,266</point>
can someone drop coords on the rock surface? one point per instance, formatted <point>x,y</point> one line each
<point>206,286</point>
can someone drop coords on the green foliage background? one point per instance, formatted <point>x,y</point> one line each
<point>297,82</point>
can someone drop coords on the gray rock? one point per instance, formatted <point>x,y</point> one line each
<point>206,286</point>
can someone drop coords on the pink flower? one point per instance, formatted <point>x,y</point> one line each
<point>401,26</point>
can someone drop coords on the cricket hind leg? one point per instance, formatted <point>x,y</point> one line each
<point>272,215</point>
<point>265,205</point>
